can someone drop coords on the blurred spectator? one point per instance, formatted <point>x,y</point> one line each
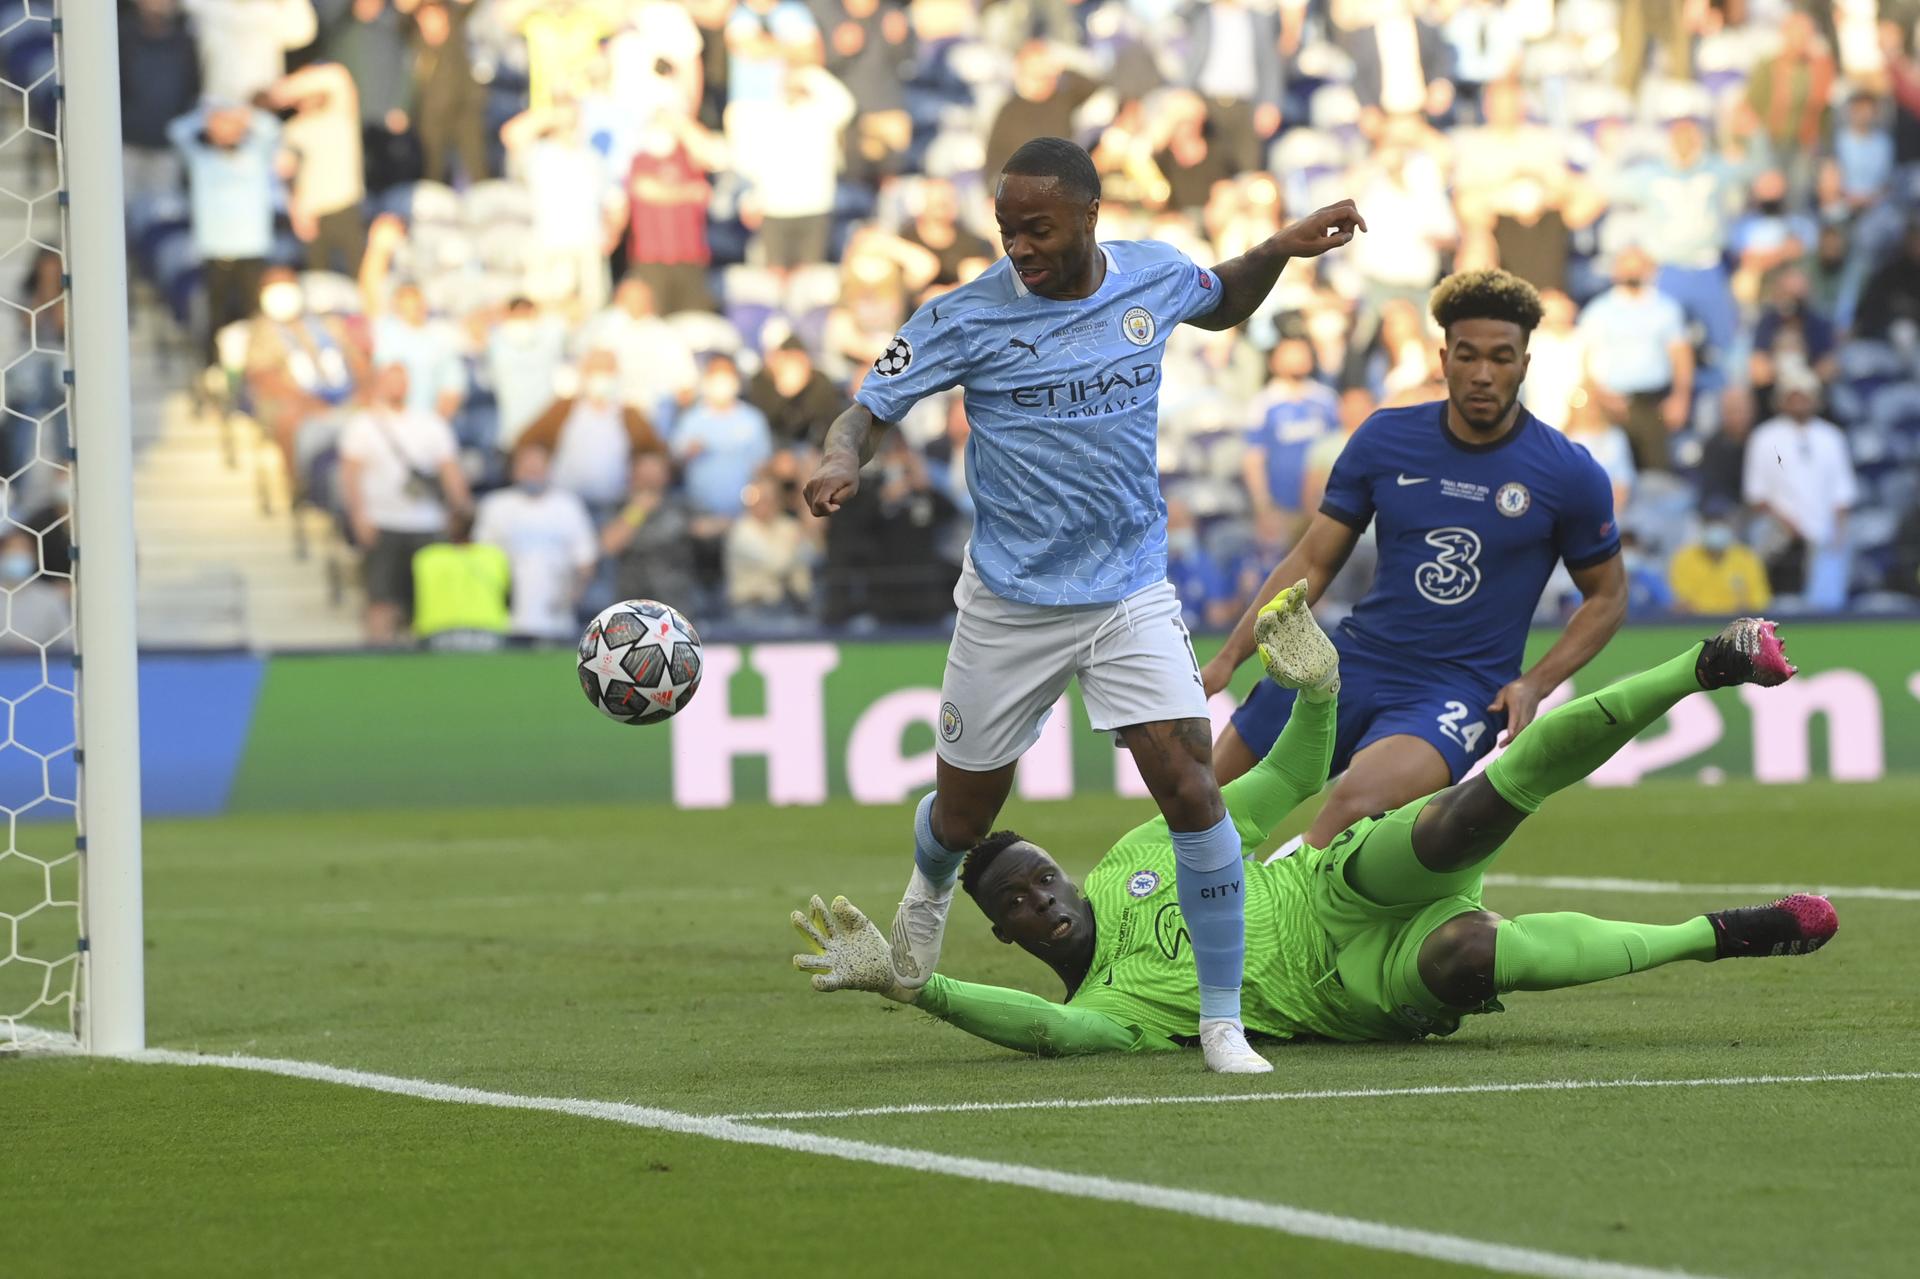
<point>870,49</point>
<point>460,591</point>
<point>1890,299</point>
<point>798,401</point>
<point>400,481</point>
<point>1588,427</point>
<point>39,611</point>
<point>1233,61</point>
<point>651,540</point>
<point>1863,154</point>
<point>1401,65</point>
<point>655,62</point>
<point>720,442</point>
<point>1404,188</point>
<point>1271,540</point>
<point>657,368</point>
<point>1189,156</point>
<point>1648,594</point>
<point>159,81</point>
<point>369,39</point>
<point>1509,165</point>
<point>765,38</point>
<point>1768,237</point>
<point>1298,412</point>
<point>404,332</point>
<point>880,275</point>
<point>1207,598</point>
<point>301,369</point>
<point>450,104</point>
<point>1556,362</point>
<point>244,43</point>
<point>525,352</point>
<point>769,562</point>
<point>593,437</point>
<point>884,561</point>
<point>788,151</point>
<point>33,382</point>
<point>1785,107</point>
<point>548,539</point>
<point>1682,208</point>
<point>573,211</point>
<point>1639,364</point>
<point>563,43</point>
<point>666,210</point>
<point>1045,96</point>
<point>1661,24</point>
<point>1487,46</point>
<point>329,183</point>
<point>1788,336</point>
<point>1723,458</point>
<point>936,228</point>
<point>1800,475</point>
<point>1717,575</point>
<point>230,154</point>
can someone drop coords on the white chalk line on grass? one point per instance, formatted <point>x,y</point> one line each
<point>1323,1094</point>
<point>1282,1218</point>
<point>1580,883</point>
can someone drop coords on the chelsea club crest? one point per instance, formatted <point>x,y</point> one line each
<point>1142,883</point>
<point>1137,324</point>
<point>1512,500</point>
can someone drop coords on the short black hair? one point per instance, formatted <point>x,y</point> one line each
<point>1062,159</point>
<point>981,856</point>
<point>1489,294</point>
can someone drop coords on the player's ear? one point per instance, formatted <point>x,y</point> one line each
<point>1093,213</point>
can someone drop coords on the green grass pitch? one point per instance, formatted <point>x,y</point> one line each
<point>639,955</point>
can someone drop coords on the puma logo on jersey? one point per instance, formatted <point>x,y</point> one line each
<point>1032,348</point>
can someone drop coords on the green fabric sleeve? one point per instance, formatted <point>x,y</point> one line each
<point>1027,1023</point>
<point>1292,773</point>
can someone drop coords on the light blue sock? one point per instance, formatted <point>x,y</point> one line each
<point>1210,881</point>
<point>936,861</point>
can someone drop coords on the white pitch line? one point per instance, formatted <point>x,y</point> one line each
<point>1578,883</point>
<point>1283,1218</point>
<point>1324,1094</point>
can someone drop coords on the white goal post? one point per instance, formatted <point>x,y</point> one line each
<point>99,983</point>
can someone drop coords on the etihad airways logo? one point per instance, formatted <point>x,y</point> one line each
<point>1107,392</point>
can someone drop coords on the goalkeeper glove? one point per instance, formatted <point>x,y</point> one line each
<point>849,953</point>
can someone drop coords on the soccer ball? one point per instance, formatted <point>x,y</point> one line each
<point>640,662</point>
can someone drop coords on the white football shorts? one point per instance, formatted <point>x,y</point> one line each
<point>1010,662</point>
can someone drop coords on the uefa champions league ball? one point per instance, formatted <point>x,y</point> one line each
<point>640,662</point>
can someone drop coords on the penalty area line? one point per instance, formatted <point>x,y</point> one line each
<point>1322,1094</point>
<point>1261,1214</point>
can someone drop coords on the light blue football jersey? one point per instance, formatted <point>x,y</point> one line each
<point>1063,400</point>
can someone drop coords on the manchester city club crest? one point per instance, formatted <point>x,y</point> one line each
<point>1137,324</point>
<point>950,725</point>
<point>1513,499</point>
<point>1142,883</point>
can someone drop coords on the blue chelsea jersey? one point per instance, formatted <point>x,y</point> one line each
<point>1468,534</point>
<point>1063,400</point>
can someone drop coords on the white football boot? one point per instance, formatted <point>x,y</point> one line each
<point>918,926</point>
<point>1224,1044</point>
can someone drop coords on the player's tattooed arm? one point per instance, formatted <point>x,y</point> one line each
<point>849,446</point>
<point>1246,280</point>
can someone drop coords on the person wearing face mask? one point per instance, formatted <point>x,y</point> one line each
<point>657,368</point>
<point>525,352</point>
<point>1648,594</point>
<point>593,437</point>
<point>719,442</point>
<point>797,399</point>
<point>548,538</point>
<point>1715,574</point>
<point>39,611</point>
<point>1790,336</point>
<point>1639,362</point>
<point>302,369</point>
<point>1768,237</point>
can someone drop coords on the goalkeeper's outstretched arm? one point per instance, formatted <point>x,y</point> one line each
<point>848,953</point>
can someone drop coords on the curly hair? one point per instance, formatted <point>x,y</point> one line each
<point>1065,161</point>
<point>981,856</point>
<point>1491,294</point>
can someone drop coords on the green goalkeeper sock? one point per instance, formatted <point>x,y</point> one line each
<point>1569,742</point>
<point>1548,952</point>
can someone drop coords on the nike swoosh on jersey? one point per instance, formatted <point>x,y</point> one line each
<point>1402,480</point>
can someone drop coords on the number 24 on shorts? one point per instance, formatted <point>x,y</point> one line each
<point>1467,735</point>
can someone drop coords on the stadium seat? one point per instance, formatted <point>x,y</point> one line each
<point>503,249</point>
<point>749,320</point>
<point>750,285</point>
<point>1899,489</point>
<point>497,203</point>
<point>432,202</point>
<point>1865,358</point>
<point>706,333</point>
<point>812,287</point>
<point>1895,406</point>
<point>1872,527</point>
<point>1334,106</point>
<point>330,293</point>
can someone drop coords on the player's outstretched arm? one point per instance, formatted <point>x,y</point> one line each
<point>849,446</point>
<point>848,953</point>
<point>1318,557</point>
<point>1246,280</point>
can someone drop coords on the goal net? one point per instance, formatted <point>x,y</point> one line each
<point>56,216</point>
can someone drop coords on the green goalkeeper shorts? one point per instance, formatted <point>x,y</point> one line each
<point>1377,948</point>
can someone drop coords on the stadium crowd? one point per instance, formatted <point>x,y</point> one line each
<point>552,300</point>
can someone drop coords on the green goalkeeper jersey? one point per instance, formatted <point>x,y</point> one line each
<point>1141,992</point>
